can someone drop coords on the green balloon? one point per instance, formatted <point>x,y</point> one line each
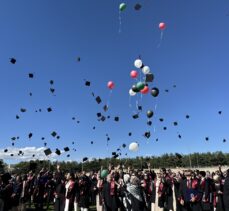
<point>140,86</point>
<point>122,7</point>
<point>104,173</point>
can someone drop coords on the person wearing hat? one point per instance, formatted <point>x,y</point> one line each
<point>69,192</point>
<point>218,194</point>
<point>226,192</point>
<point>189,193</point>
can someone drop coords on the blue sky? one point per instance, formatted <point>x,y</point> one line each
<point>46,37</point>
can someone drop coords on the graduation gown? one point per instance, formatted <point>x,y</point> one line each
<point>226,194</point>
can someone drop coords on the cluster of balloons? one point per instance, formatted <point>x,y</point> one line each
<point>142,87</point>
<point>122,7</point>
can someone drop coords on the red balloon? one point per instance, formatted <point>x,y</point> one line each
<point>162,26</point>
<point>133,74</point>
<point>145,90</point>
<point>110,85</point>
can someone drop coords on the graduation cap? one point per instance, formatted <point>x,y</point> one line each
<point>175,123</point>
<point>105,108</point>
<point>12,144</point>
<point>140,108</point>
<point>220,112</point>
<point>49,109</point>
<point>78,59</point>
<point>48,152</point>
<point>40,110</point>
<point>30,135</point>
<point>13,138</point>
<point>137,7</point>
<point>147,134</point>
<point>68,156</point>
<point>58,137</point>
<point>129,133</point>
<point>18,137</point>
<point>174,86</point>
<point>93,94</point>
<point>94,128</point>
<point>58,152</point>
<point>45,144</point>
<point>115,156</point>
<point>164,128</point>
<point>87,83</point>
<point>161,119</point>
<point>30,75</point>
<point>113,153</point>
<point>149,77</point>
<point>99,115</point>
<point>103,118</point>
<point>13,60</point>
<point>206,138</point>
<point>54,134</point>
<point>78,121</point>
<point>20,152</point>
<point>166,90</point>
<point>149,123</point>
<point>187,116</point>
<point>43,138</point>
<point>179,136</point>
<point>11,155</point>
<point>51,82</point>
<point>135,116</point>
<point>108,117</point>
<point>73,118</point>
<point>108,139</point>
<point>85,159</point>
<point>92,142</point>
<point>17,117</point>
<point>30,94</point>
<point>6,150</point>
<point>52,90</point>
<point>116,119</point>
<point>66,149</point>
<point>224,140</point>
<point>98,100</point>
<point>157,139</point>
<point>124,145</point>
<point>23,110</point>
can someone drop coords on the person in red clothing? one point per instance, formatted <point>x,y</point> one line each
<point>70,192</point>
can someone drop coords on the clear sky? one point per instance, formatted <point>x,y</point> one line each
<point>47,36</point>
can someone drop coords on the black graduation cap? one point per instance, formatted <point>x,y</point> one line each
<point>43,138</point>
<point>73,118</point>
<point>99,114</point>
<point>87,83</point>
<point>140,108</point>
<point>13,60</point>
<point>129,133</point>
<point>149,77</point>
<point>174,86</point>
<point>30,135</point>
<point>135,116</point>
<point>147,134</point>
<point>17,117</point>
<point>92,142</point>
<point>52,90</point>
<point>105,108</point>
<point>113,153</point>
<point>116,156</point>
<point>20,152</point>
<point>166,90</point>
<point>23,110</point>
<point>175,123</point>
<point>40,110</point>
<point>49,109</point>
<point>54,134</point>
<point>224,140</point>
<point>58,152</point>
<point>108,117</point>
<point>116,119</point>
<point>73,142</point>
<point>48,152</point>
<point>137,6</point>
<point>164,128</point>
<point>68,156</point>
<point>51,82</point>
<point>78,121</point>
<point>11,155</point>
<point>157,139</point>
<point>45,144</point>
<point>94,128</point>
<point>30,75</point>
<point>98,100</point>
<point>6,150</point>
<point>78,59</point>
<point>149,123</point>
<point>66,149</point>
<point>58,137</point>
<point>85,159</point>
<point>30,94</point>
<point>108,139</point>
<point>161,119</point>
<point>18,137</point>
<point>187,116</point>
<point>220,112</point>
<point>12,144</point>
<point>206,138</point>
<point>93,94</point>
<point>179,136</point>
<point>13,138</point>
<point>124,145</point>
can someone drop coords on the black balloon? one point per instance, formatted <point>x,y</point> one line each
<point>135,89</point>
<point>149,114</point>
<point>155,92</point>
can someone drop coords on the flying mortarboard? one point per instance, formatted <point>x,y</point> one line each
<point>116,119</point>
<point>98,100</point>
<point>48,152</point>
<point>49,109</point>
<point>105,108</point>
<point>87,83</point>
<point>66,149</point>
<point>149,78</point>
<point>13,60</point>
<point>31,75</point>
<point>54,134</point>
<point>135,116</point>
<point>23,110</point>
<point>58,152</point>
<point>137,6</point>
<point>85,159</point>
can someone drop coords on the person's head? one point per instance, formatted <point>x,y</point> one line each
<point>188,174</point>
<point>126,178</point>
<point>109,177</point>
<point>216,179</point>
<point>18,179</point>
<point>70,176</point>
<point>134,180</point>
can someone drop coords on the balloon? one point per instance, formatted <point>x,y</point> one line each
<point>138,63</point>
<point>122,7</point>
<point>110,84</point>
<point>104,173</point>
<point>154,92</point>
<point>140,86</point>
<point>133,147</point>
<point>162,26</point>
<point>145,70</point>
<point>132,93</point>
<point>145,90</point>
<point>135,88</point>
<point>133,74</point>
<point>149,113</point>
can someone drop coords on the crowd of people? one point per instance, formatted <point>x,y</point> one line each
<point>119,190</point>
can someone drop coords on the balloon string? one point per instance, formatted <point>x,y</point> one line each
<point>109,96</point>
<point>120,22</point>
<point>161,38</point>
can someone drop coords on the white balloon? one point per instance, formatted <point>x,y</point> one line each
<point>146,70</point>
<point>133,147</point>
<point>138,63</point>
<point>132,93</point>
